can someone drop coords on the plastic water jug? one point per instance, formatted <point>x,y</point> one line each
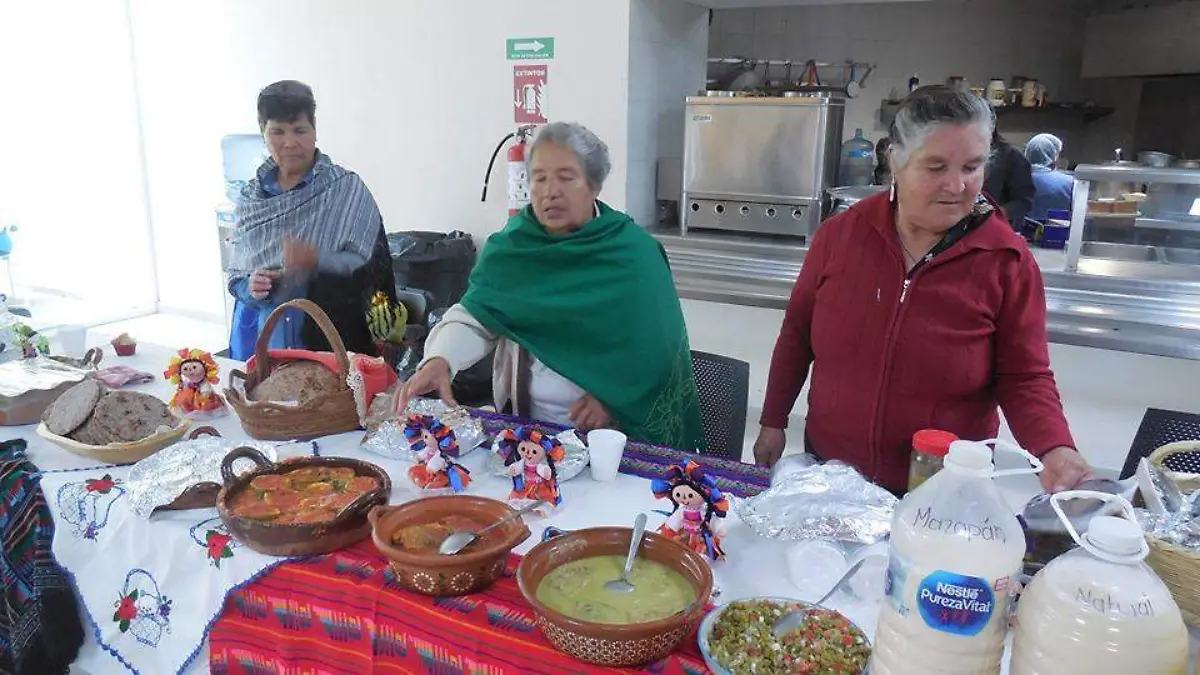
<point>956,550</point>
<point>241,155</point>
<point>857,162</point>
<point>1098,609</point>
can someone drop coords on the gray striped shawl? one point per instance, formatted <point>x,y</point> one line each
<point>334,212</point>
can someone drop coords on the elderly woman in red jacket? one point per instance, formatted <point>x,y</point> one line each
<point>920,309</point>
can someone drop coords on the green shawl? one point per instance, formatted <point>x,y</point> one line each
<point>597,306</point>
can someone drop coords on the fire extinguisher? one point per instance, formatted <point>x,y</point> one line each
<point>518,178</point>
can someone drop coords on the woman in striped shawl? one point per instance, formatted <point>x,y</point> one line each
<point>306,228</point>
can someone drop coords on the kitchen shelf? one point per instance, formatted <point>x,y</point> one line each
<point>1054,115</point>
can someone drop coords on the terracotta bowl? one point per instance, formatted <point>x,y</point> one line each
<point>471,571</point>
<point>346,528</point>
<point>609,644</point>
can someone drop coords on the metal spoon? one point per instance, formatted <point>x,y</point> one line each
<point>792,620</point>
<point>622,585</point>
<point>457,541</point>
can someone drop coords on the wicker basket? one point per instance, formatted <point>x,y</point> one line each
<point>333,413</point>
<point>1180,462</point>
<point>1179,569</point>
<point>117,453</point>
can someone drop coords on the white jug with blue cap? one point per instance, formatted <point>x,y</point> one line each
<point>956,550</point>
<point>1099,609</point>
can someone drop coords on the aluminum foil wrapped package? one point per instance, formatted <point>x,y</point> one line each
<point>385,432</point>
<point>162,477</point>
<point>572,465</point>
<point>824,501</point>
<point>1180,529</point>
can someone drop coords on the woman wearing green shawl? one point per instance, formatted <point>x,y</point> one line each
<point>579,305</point>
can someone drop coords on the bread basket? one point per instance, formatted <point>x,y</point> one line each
<point>331,413</point>
<point>1178,567</point>
<point>118,453</point>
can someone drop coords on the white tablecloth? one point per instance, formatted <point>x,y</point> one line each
<point>754,566</point>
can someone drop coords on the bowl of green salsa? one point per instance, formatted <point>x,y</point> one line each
<point>737,639</point>
<point>563,580</point>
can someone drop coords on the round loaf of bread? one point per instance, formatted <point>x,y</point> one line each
<point>128,416</point>
<point>298,382</point>
<point>71,409</point>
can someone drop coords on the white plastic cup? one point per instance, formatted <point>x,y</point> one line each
<point>605,448</point>
<point>72,340</point>
<point>869,581</point>
<point>814,566</point>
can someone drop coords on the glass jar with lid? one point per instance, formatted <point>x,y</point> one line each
<point>929,450</point>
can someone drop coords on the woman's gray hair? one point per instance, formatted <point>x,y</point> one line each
<point>927,108</point>
<point>587,146</point>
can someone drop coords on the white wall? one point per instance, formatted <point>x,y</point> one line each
<point>976,39</point>
<point>411,94</point>
<point>668,47</point>
<point>71,178</point>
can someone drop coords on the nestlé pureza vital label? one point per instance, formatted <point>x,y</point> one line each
<point>956,604</point>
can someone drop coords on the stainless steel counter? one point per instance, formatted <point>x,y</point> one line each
<point>1102,305</point>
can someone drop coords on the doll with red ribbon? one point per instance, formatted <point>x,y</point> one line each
<point>194,372</point>
<point>698,519</point>
<point>435,446</point>
<point>531,458</point>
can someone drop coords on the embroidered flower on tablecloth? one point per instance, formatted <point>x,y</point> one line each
<point>218,547</point>
<point>142,610</point>
<point>211,535</point>
<point>87,504</point>
<point>126,611</point>
<point>101,485</point>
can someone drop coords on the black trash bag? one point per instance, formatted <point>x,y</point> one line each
<point>437,262</point>
<point>472,386</point>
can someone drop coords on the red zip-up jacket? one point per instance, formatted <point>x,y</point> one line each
<point>968,334</point>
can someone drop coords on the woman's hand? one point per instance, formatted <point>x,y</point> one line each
<point>433,376</point>
<point>768,448</point>
<point>1065,469</point>
<point>298,255</point>
<point>261,283</point>
<point>587,413</point>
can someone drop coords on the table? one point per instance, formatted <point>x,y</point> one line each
<point>586,504</point>
<point>755,566</point>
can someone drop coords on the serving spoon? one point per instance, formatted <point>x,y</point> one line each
<point>457,541</point>
<point>792,620</point>
<point>622,585</point>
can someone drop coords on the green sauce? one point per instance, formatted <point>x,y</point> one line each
<point>577,590</point>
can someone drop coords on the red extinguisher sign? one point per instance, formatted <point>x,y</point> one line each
<point>529,94</point>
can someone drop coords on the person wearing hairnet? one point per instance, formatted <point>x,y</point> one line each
<point>1052,188</point>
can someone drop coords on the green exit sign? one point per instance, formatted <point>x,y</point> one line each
<point>528,49</point>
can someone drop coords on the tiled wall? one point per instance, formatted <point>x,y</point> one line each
<point>668,44</point>
<point>976,39</point>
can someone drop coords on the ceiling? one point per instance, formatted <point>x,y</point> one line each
<point>731,4</point>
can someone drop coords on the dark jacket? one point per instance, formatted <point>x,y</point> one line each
<point>1009,181</point>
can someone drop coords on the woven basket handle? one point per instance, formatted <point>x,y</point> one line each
<point>262,363</point>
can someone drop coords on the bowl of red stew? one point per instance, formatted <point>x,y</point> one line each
<point>302,505</point>
<point>408,535</point>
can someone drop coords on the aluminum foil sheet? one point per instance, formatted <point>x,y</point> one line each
<point>385,432</point>
<point>790,464</point>
<point>825,501</point>
<point>159,479</point>
<point>38,374</point>
<point>1177,528</point>
<point>572,465</point>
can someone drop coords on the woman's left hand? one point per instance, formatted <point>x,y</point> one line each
<point>587,413</point>
<point>1065,469</point>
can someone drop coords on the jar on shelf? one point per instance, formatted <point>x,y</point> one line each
<point>929,450</point>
